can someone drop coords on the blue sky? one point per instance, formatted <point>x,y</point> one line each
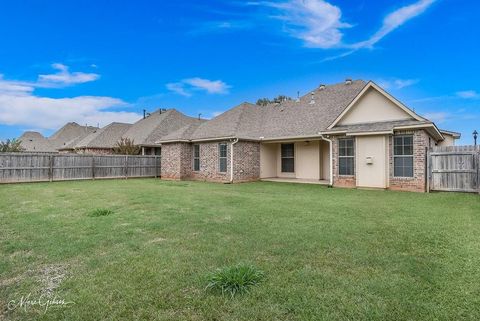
<point>100,61</point>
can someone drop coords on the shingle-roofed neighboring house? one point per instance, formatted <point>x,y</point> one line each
<point>35,142</point>
<point>103,140</point>
<point>68,133</point>
<point>147,131</point>
<point>351,134</point>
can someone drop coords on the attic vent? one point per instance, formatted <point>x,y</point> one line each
<point>312,98</point>
<point>322,87</point>
<point>348,81</point>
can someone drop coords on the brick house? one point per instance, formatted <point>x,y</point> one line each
<point>352,134</point>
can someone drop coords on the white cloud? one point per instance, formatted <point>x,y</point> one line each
<point>185,86</point>
<point>438,117</point>
<point>316,22</point>
<point>20,106</point>
<point>397,83</point>
<point>179,88</point>
<point>319,24</point>
<point>468,94</point>
<point>394,20</point>
<point>64,77</point>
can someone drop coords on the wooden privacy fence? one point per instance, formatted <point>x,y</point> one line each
<point>35,167</point>
<point>454,169</point>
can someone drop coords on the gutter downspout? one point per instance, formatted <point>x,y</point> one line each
<point>331,158</point>
<point>234,141</point>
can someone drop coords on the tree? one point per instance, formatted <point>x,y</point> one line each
<point>276,100</point>
<point>126,146</point>
<point>11,146</point>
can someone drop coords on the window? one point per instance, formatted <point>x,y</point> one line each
<point>288,158</point>
<point>158,151</point>
<point>346,156</point>
<point>196,157</point>
<point>222,157</point>
<point>403,156</point>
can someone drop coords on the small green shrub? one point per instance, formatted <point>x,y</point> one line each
<point>100,212</point>
<point>234,280</point>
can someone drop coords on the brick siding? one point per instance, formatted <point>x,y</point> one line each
<point>340,180</point>
<point>177,162</point>
<point>417,182</point>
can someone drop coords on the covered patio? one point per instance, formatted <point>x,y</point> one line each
<point>300,161</point>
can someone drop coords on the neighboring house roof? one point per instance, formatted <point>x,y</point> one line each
<point>71,145</point>
<point>450,133</point>
<point>35,142</point>
<point>106,137</point>
<point>68,133</point>
<point>147,131</point>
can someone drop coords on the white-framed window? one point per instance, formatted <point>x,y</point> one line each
<point>288,158</point>
<point>222,157</point>
<point>403,156</point>
<point>196,157</point>
<point>346,156</point>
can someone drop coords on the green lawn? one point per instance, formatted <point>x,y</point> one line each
<point>328,254</point>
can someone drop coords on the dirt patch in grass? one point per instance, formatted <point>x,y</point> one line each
<point>51,277</point>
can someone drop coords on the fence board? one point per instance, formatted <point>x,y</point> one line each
<point>454,168</point>
<point>36,167</point>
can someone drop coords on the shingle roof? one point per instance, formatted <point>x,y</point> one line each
<point>305,116</point>
<point>160,123</point>
<point>183,133</point>
<point>35,142</point>
<point>106,137</point>
<point>377,126</point>
<point>67,133</point>
<point>243,121</point>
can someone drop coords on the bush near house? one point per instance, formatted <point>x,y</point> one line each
<point>328,254</point>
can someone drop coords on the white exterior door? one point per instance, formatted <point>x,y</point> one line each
<point>371,161</point>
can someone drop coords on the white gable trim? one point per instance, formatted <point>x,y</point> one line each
<point>371,84</point>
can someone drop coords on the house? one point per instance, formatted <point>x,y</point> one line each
<point>154,126</point>
<point>351,134</point>
<point>101,141</point>
<point>68,133</point>
<point>35,142</point>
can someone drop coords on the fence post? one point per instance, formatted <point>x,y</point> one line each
<point>428,169</point>
<point>93,167</point>
<point>126,166</point>
<point>50,169</point>
<point>156,169</point>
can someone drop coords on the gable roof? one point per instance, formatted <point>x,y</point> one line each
<point>303,117</point>
<point>183,134</point>
<point>67,133</point>
<point>370,85</point>
<point>158,124</point>
<point>242,121</point>
<point>106,137</point>
<point>35,142</point>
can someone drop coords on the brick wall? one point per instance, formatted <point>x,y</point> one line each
<point>417,182</point>
<point>209,163</point>
<point>340,180</point>
<point>246,161</point>
<point>177,162</point>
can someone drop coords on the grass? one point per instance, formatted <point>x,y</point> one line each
<point>234,280</point>
<point>329,254</point>
<point>100,212</point>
